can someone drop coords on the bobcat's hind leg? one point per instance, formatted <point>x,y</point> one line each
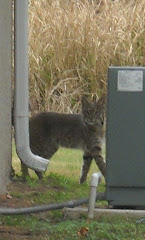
<point>24,170</point>
<point>39,175</point>
<point>87,160</point>
<point>47,154</point>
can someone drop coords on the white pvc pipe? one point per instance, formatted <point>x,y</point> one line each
<point>93,192</point>
<point>21,116</point>
<point>77,212</point>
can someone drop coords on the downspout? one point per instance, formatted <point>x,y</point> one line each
<point>21,113</point>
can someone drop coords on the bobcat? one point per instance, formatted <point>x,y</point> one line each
<point>50,130</point>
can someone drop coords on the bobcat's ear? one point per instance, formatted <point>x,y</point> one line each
<point>101,104</point>
<point>85,102</point>
<point>102,101</point>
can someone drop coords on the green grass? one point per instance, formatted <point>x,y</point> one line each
<point>65,162</point>
<point>61,184</point>
<point>105,228</point>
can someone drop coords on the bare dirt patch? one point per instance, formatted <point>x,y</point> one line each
<point>15,233</point>
<point>14,199</point>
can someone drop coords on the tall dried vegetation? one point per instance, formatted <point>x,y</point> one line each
<point>72,43</point>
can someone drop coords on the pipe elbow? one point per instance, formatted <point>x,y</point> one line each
<point>24,152</point>
<point>96,177</point>
<point>31,160</point>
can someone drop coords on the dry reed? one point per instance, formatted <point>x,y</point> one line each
<point>73,42</point>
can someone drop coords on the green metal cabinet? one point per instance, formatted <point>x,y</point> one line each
<point>125,136</point>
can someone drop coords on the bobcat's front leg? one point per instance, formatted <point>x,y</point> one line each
<point>87,160</point>
<point>100,163</point>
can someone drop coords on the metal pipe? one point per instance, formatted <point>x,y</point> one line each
<point>93,192</point>
<point>21,118</point>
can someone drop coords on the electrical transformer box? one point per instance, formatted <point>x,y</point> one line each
<point>125,137</point>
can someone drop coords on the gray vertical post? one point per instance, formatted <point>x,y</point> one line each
<point>5,92</point>
<point>125,151</point>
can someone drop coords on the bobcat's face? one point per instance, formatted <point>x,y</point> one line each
<point>94,113</point>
